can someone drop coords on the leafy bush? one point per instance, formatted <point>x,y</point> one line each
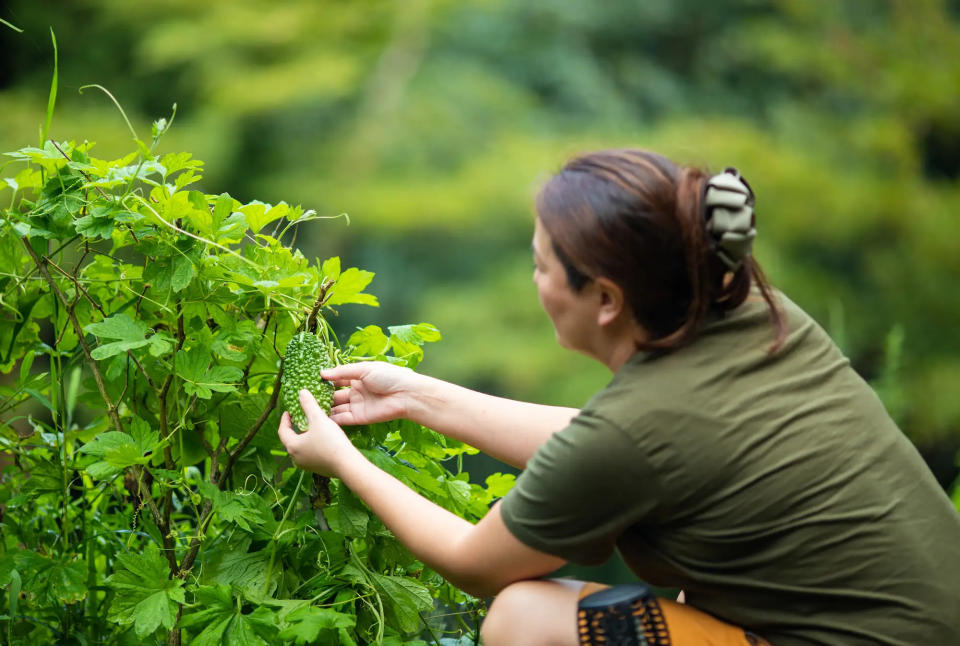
<point>145,495</point>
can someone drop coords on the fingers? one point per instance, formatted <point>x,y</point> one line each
<point>342,375</point>
<point>343,415</point>
<point>311,408</point>
<point>341,396</point>
<point>286,432</point>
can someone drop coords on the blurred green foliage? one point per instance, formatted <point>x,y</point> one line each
<point>432,122</point>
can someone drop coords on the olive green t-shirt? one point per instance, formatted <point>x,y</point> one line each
<point>774,489</point>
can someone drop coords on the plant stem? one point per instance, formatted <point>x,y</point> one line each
<point>268,409</point>
<point>56,395</point>
<point>433,635</point>
<point>277,532</point>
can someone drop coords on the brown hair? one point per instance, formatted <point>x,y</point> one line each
<point>637,219</point>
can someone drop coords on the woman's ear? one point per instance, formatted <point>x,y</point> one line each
<point>610,301</point>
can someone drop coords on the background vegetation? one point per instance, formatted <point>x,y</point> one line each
<point>432,122</point>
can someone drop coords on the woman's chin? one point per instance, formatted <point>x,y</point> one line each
<point>566,344</point>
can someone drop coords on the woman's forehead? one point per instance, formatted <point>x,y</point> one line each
<point>539,243</point>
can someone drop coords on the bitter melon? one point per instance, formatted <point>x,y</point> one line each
<point>303,360</point>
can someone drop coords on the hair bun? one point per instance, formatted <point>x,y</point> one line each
<point>728,210</point>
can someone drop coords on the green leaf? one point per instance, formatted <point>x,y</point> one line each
<point>40,398</point>
<point>222,209</point>
<point>146,596</point>
<point>239,567</point>
<point>349,288</point>
<point>260,215</point>
<point>98,223</point>
<point>186,178</point>
<point>422,439</point>
<point>305,624</point>
<point>330,269</point>
<point>416,479</point>
<point>146,438</point>
<point>118,326</point>
<point>225,623</point>
<point>130,333</point>
<point>370,341</point>
<point>116,451</point>
<point>67,581</point>
<point>174,162</point>
<point>183,272</point>
<point>45,477</point>
<point>407,339</point>
<point>348,516</point>
<point>193,366</point>
<point>14,584</point>
<point>117,347</point>
<point>160,344</point>
<point>404,599</point>
<point>58,580</point>
<point>416,334</point>
<point>239,414</point>
<point>458,491</point>
<point>158,275</point>
<point>232,507</point>
<point>498,484</point>
<point>31,153</point>
<point>232,229</point>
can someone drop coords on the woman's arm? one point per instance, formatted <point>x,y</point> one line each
<point>481,559</point>
<point>508,430</point>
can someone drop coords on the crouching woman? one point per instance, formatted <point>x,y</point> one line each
<point>735,454</point>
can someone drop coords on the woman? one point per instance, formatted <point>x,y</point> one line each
<point>735,454</point>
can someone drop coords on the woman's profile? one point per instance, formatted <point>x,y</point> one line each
<point>735,454</point>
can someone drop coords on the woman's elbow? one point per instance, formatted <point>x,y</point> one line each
<point>479,582</point>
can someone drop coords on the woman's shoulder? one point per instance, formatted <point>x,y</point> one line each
<point>746,337</point>
<point>732,358</point>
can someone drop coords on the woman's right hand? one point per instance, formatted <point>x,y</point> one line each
<point>376,392</point>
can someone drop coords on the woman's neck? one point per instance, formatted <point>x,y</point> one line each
<point>619,354</point>
<point>618,344</point>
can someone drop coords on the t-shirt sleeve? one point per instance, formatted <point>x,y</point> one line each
<point>580,491</point>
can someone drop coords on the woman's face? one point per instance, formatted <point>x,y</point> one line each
<point>573,318</point>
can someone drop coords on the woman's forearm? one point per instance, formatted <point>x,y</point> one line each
<point>508,430</point>
<point>480,558</point>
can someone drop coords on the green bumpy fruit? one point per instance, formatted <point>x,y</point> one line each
<point>303,360</point>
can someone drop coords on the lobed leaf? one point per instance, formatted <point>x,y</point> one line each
<point>146,596</point>
<point>349,287</point>
<point>193,366</point>
<point>225,623</point>
<point>232,507</point>
<point>305,624</point>
<point>117,451</point>
<point>131,335</point>
<point>404,600</point>
<point>369,341</point>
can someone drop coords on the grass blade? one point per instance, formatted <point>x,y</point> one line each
<point>13,27</point>
<point>52,99</point>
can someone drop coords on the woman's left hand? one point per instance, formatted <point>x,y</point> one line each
<point>323,447</point>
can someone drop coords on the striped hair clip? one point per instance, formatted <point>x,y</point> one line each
<point>728,210</point>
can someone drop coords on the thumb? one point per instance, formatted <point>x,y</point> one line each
<point>311,408</point>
